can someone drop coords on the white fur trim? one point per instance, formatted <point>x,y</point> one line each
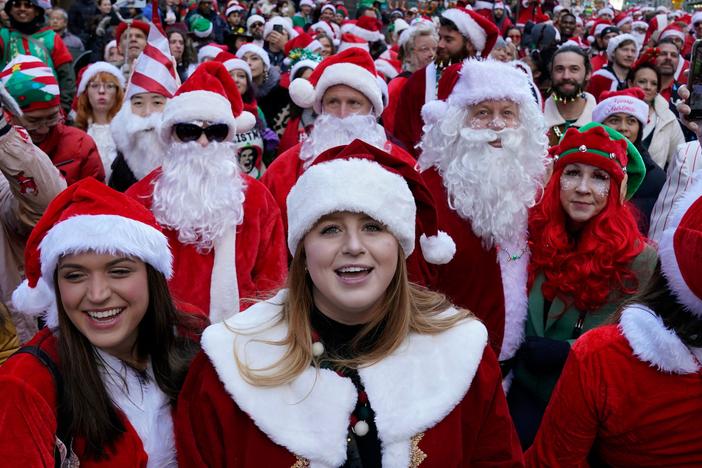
<point>365,34</point>
<point>353,76</point>
<point>245,122</point>
<point>405,400</point>
<point>253,48</point>
<point>254,19</point>
<point>99,67</point>
<point>302,92</point>
<point>468,27</point>
<point>482,80</point>
<point>238,64</point>
<point>35,302</point>
<point>672,33</point>
<point>616,41</point>
<point>307,63</point>
<point>621,104</point>
<point>224,288</point>
<point>430,82</point>
<point>433,111</point>
<point>655,344</point>
<point>438,249</point>
<point>386,68</point>
<point>356,185</point>
<point>514,275</point>
<point>197,105</point>
<point>605,10</point>
<point>208,51</point>
<point>613,80</point>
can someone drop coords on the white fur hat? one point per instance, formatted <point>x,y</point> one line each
<point>254,19</point>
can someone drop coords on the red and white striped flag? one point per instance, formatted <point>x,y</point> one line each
<point>154,70</point>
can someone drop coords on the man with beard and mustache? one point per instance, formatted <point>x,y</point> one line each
<point>483,160</point>
<point>667,64</point>
<point>344,91</point>
<point>569,105</point>
<point>223,226</point>
<point>462,34</point>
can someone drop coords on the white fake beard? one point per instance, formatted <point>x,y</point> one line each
<point>491,187</point>
<point>138,139</point>
<point>330,131</point>
<point>200,192</point>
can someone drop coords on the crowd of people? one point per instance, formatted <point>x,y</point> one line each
<point>307,233</point>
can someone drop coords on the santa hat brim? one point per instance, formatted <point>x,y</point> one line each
<point>99,67</point>
<point>468,27</point>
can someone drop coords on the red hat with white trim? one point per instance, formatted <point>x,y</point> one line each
<point>365,27</point>
<point>86,217</point>
<point>481,31</point>
<point>232,63</point>
<point>88,73</point>
<point>628,101</point>
<point>673,30</point>
<point>349,40</point>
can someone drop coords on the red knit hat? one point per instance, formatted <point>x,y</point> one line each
<point>86,217</point>
<point>121,27</point>
<point>209,94</point>
<point>680,249</point>
<point>353,67</point>
<point>481,31</point>
<point>361,178</point>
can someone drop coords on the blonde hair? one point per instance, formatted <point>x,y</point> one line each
<point>405,308</point>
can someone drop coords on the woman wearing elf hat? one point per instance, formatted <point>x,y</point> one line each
<point>630,391</point>
<point>96,386</point>
<point>351,365</point>
<point>587,257</point>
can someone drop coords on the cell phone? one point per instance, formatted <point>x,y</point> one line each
<point>694,81</point>
<point>278,28</point>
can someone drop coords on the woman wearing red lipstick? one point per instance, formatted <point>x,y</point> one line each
<point>587,257</point>
<point>97,385</point>
<point>351,365</point>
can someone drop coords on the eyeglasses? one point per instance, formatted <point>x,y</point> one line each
<point>110,87</point>
<point>187,132</point>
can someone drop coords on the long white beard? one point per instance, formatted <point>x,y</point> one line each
<point>200,192</point>
<point>491,187</point>
<point>137,138</point>
<point>330,131</point>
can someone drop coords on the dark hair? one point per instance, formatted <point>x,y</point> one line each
<point>668,40</point>
<point>189,55</point>
<point>574,49</point>
<point>85,402</point>
<point>658,297</point>
<point>250,95</point>
<point>447,23</point>
<point>632,73</point>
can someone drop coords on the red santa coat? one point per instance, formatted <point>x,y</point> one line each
<point>632,391</point>
<point>598,61</point>
<point>74,153</point>
<point>421,87</point>
<point>223,421</point>
<point>28,415</point>
<point>489,282</point>
<point>258,260</point>
<point>602,80</point>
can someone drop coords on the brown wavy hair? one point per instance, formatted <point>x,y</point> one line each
<point>84,111</point>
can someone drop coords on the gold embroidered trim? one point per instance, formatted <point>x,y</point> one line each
<point>301,463</point>
<point>417,456</point>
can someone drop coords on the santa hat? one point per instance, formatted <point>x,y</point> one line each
<point>254,19</point>
<point>91,71</point>
<point>86,217</point>
<point>680,249</point>
<point>388,64</point>
<point>617,41</point>
<point>353,67</point>
<point>310,61</point>
<point>640,24</point>
<point>153,71</point>
<point>621,19</point>
<point>481,32</point>
<point>673,30</point>
<point>655,27</point>
<point>696,18</point>
<point>309,3</point>
<point>110,45</point>
<point>232,63</point>
<point>605,11</point>
<point>328,6</point>
<point>483,5</point>
<point>209,94</point>
<point>629,101</point>
<point>283,21</point>
<point>361,178</point>
<point>31,83</point>
<point>209,51</point>
<point>398,26</point>
<point>365,27</point>
<point>254,49</point>
<point>302,41</point>
<point>122,27</point>
<point>233,7</point>
<point>349,41</point>
<point>331,30</point>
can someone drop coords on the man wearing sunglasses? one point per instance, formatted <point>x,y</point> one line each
<point>224,227</point>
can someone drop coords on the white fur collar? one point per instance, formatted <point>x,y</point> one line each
<point>654,343</point>
<point>410,391</point>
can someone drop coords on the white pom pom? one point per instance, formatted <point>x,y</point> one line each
<point>433,111</point>
<point>302,93</point>
<point>33,301</point>
<point>438,249</point>
<point>245,122</point>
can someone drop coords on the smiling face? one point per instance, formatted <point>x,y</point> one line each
<point>23,11</point>
<point>351,259</point>
<point>646,79</point>
<point>105,297</point>
<point>584,191</point>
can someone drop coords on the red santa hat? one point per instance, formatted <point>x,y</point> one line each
<point>622,18</point>
<point>361,178</point>
<point>673,30</point>
<point>233,7</point>
<point>605,11</point>
<point>655,27</point>
<point>232,63</point>
<point>348,41</point>
<point>365,27</point>
<point>353,67</point>
<point>153,71</point>
<point>209,94</point>
<point>86,217</point>
<point>328,6</point>
<point>254,49</point>
<point>302,41</point>
<point>331,30</point>
<point>617,41</point>
<point>122,27</point>
<point>388,64</point>
<point>481,32</point>
<point>91,71</point>
<point>210,51</point>
<point>696,18</point>
<point>629,101</point>
<point>680,249</point>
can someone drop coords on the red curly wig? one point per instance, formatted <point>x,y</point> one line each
<point>583,269</point>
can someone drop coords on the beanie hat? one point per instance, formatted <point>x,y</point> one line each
<point>481,31</point>
<point>680,249</point>
<point>253,48</point>
<point>361,178</point>
<point>91,71</point>
<point>31,83</point>
<point>604,147</point>
<point>365,27</point>
<point>349,41</point>
<point>122,27</point>
<point>617,41</point>
<point>629,101</point>
<point>86,217</point>
<point>283,21</point>
<point>352,67</point>
<point>200,26</point>
<point>232,63</point>
<point>208,94</point>
<point>254,19</point>
<point>154,71</point>
<point>209,51</point>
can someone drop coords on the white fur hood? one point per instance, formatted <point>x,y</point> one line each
<point>410,391</point>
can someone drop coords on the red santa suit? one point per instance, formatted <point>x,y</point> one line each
<point>630,393</point>
<point>531,11</point>
<point>224,421</point>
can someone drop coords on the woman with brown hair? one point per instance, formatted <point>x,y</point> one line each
<point>98,99</point>
<point>351,365</point>
<point>97,385</point>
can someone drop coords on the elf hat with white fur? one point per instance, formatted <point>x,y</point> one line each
<point>680,249</point>
<point>86,217</point>
<point>353,67</point>
<point>361,178</point>
<point>481,32</point>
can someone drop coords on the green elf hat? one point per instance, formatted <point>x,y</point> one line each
<point>604,147</point>
<point>200,26</point>
<point>31,83</point>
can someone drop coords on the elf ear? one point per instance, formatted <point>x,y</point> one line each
<point>622,189</point>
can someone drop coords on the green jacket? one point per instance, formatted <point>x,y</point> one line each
<point>560,324</point>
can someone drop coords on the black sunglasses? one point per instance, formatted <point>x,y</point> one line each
<point>187,132</point>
